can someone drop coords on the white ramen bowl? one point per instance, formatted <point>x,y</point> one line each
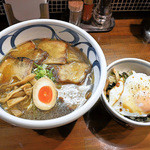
<point>123,65</point>
<point>49,28</point>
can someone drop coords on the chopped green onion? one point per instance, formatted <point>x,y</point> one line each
<point>41,71</point>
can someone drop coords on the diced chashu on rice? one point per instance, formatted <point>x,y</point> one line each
<point>10,67</point>
<point>56,50</point>
<point>28,50</point>
<point>74,72</point>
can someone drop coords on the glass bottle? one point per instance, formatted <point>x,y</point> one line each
<point>102,14</point>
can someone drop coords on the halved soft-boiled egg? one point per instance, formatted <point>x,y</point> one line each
<point>44,93</point>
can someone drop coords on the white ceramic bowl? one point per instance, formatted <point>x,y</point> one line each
<point>48,28</point>
<point>123,65</point>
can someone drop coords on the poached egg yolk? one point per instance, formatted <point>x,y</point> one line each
<point>142,100</point>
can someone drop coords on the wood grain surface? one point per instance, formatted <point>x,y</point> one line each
<point>96,129</point>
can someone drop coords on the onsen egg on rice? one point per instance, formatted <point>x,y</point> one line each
<point>130,94</point>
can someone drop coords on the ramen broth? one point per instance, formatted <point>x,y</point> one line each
<point>72,93</point>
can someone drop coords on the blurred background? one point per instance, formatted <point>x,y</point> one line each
<point>58,9</point>
<point>121,9</point>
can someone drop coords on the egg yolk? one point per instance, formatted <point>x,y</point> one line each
<point>45,94</point>
<point>143,101</point>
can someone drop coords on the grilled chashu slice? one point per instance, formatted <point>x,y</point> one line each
<point>19,67</point>
<point>56,50</point>
<point>74,72</point>
<point>30,51</point>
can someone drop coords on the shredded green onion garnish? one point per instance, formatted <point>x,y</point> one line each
<point>41,71</point>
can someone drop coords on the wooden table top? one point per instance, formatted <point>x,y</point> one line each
<point>96,129</point>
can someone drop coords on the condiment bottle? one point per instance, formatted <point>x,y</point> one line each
<point>75,8</point>
<point>87,11</point>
